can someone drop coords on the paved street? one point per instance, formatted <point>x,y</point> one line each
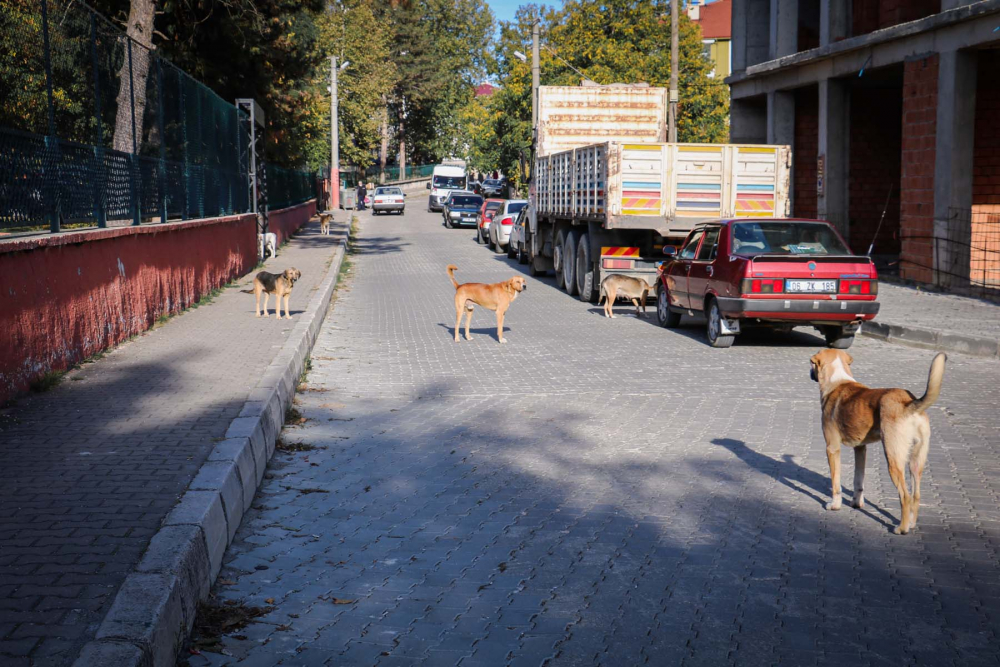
<point>598,492</point>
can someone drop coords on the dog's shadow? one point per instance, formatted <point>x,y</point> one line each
<point>787,471</point>
<point>491,331</point>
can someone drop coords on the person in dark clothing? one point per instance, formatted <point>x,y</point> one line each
<point>362,193</point>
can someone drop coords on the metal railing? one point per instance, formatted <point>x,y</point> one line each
<point>962,254</point>
<point>98,130</point>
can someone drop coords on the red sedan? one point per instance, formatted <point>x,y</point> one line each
<point>777,273</point>
<point>486,213</point>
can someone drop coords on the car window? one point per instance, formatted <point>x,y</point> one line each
<point>449,181</point>
<point>780,237</point>
<point>515,206</point>
<point>493,205</point>
<point>388,191</point>
<point>466,200</point>
<point>692,246</point>
<point>711,244</point>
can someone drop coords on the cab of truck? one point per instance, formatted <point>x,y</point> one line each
<point>444,179</point>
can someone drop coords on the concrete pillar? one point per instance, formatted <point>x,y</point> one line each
<point>953,147</point>
<point>758,33</point>
<point>784,28</point>
<point>833,155</point>
<point>834,21</point>
<point>748,121</point>
<point>738,45</point>
<point>781,118</point>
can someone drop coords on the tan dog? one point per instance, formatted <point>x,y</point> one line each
<point>615,286</point>
<point>279,284</point>
<point>854,415</point>
<point>324,223</point>
<point>497,296</point>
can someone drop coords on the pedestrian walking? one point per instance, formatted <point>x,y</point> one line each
<point>362,193</point>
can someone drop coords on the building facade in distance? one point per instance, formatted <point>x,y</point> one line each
<point>715,21</point>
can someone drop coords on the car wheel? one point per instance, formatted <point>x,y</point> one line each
<point>585,271</point>
<point>447,223</point>
<point>666,317</point>
<point>569,262</point>
<point>557,256</point>
<point>836,338</point>
<point>713,328</point>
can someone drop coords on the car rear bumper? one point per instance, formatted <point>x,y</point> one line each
<point>388,207</point>
<point>799,309</point>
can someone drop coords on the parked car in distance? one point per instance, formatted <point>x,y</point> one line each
<point>444,180</point>
<point>461,208</point>
<point>517,244</point>
<point>486,213</point>
<point>475,186</point>
<point>493,187</point>
<point>388,200</point>
<point>503,222</point>
<point>777,273</point>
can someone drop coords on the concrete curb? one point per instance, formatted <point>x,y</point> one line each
<point>155,607</point>
<point>978,346</point>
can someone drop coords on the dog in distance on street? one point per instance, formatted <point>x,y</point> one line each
<point>324,223</point>
<point>279,284</point>
<point>616,285</point>
<point>496,297</point>
<point>854,415</point>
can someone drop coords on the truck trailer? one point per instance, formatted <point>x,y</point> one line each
<point>608,193</point>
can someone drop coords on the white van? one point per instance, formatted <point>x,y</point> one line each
<point>445,178</point>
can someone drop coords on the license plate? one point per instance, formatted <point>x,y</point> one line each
<point>811,286</point>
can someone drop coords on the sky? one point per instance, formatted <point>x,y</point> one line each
<point>504,9</point>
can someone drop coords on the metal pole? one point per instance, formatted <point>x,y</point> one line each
<point>674,66</point>
<point>50,183</point>
<point>534,82</point>
<point>334,138</point>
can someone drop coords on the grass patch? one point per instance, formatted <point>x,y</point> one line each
<point>293,447</point>
<point>215,620</point>
<point>304,375</point>
<point>46,382</point>
<point>293,417</point>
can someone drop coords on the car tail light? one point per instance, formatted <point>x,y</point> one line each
<point>763,285</point>
<point>618,264</point>
<point>507,221</point>
<point>866,287</point>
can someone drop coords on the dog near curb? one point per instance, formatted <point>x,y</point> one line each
<point>855,415</point>
<point>324,223</point>
<point>617,285</point>
<point>496,297</point>
<point>279,284</point>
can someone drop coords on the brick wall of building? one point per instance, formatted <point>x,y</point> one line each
<point>805,152</point>
<point>985,255</point>
<point>871,15</point>
<point>874,169</point>
<point>917,179</point>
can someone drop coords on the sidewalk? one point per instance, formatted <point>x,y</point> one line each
<point>90,469</point>
<point>936,321</point>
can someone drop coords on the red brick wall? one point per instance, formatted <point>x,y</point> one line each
<point>805,152</point>
<point>917,182</point>
<point>874,168</point>
<point>871,15</point>
<point>985,256</point>
<point>69,296</point>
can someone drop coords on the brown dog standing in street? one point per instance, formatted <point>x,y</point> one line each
<point>854,415</point>
<point>497,297</point>
<point>617,285</point>
<point>279,284</point>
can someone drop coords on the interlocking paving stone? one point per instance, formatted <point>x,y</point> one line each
<point>91,468</point>
<point>602,492</point>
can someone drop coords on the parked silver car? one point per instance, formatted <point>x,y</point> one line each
<point>503,222</point>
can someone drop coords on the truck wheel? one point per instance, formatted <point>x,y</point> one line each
<point>713,329</point>
<point>836,338</point>
<point>586,271</point>
<point>667,318</point>
<point>522,256</point>
<point>557,256</point>
<point>569,263</point>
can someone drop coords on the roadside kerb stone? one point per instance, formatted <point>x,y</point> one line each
<point>155,607</point>
<point>979,346</point>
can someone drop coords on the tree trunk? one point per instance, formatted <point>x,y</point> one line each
<point>402,149</point>
<point>383,153</point>
<point>133,79</point>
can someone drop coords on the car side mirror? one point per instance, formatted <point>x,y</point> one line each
<point>428,186</point>
<point>669,251</point>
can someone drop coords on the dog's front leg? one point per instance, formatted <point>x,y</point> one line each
<point>833,456</point>
<point>468,322</point>
<point>267,296</point>
<point>500,314</point>
<point>860,457</point>
<point>288,314</point>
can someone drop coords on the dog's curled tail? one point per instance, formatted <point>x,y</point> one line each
<point>933,385</point>
<point>451,274</point>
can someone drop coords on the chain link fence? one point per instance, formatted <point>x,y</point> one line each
<point>97,130</point>
<point>964,252</point>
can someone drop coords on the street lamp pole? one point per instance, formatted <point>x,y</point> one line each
<point>334,139</point>
<point>674,66</point>
<point>535,68</point>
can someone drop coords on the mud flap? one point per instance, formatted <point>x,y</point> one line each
<point>729,326</point>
